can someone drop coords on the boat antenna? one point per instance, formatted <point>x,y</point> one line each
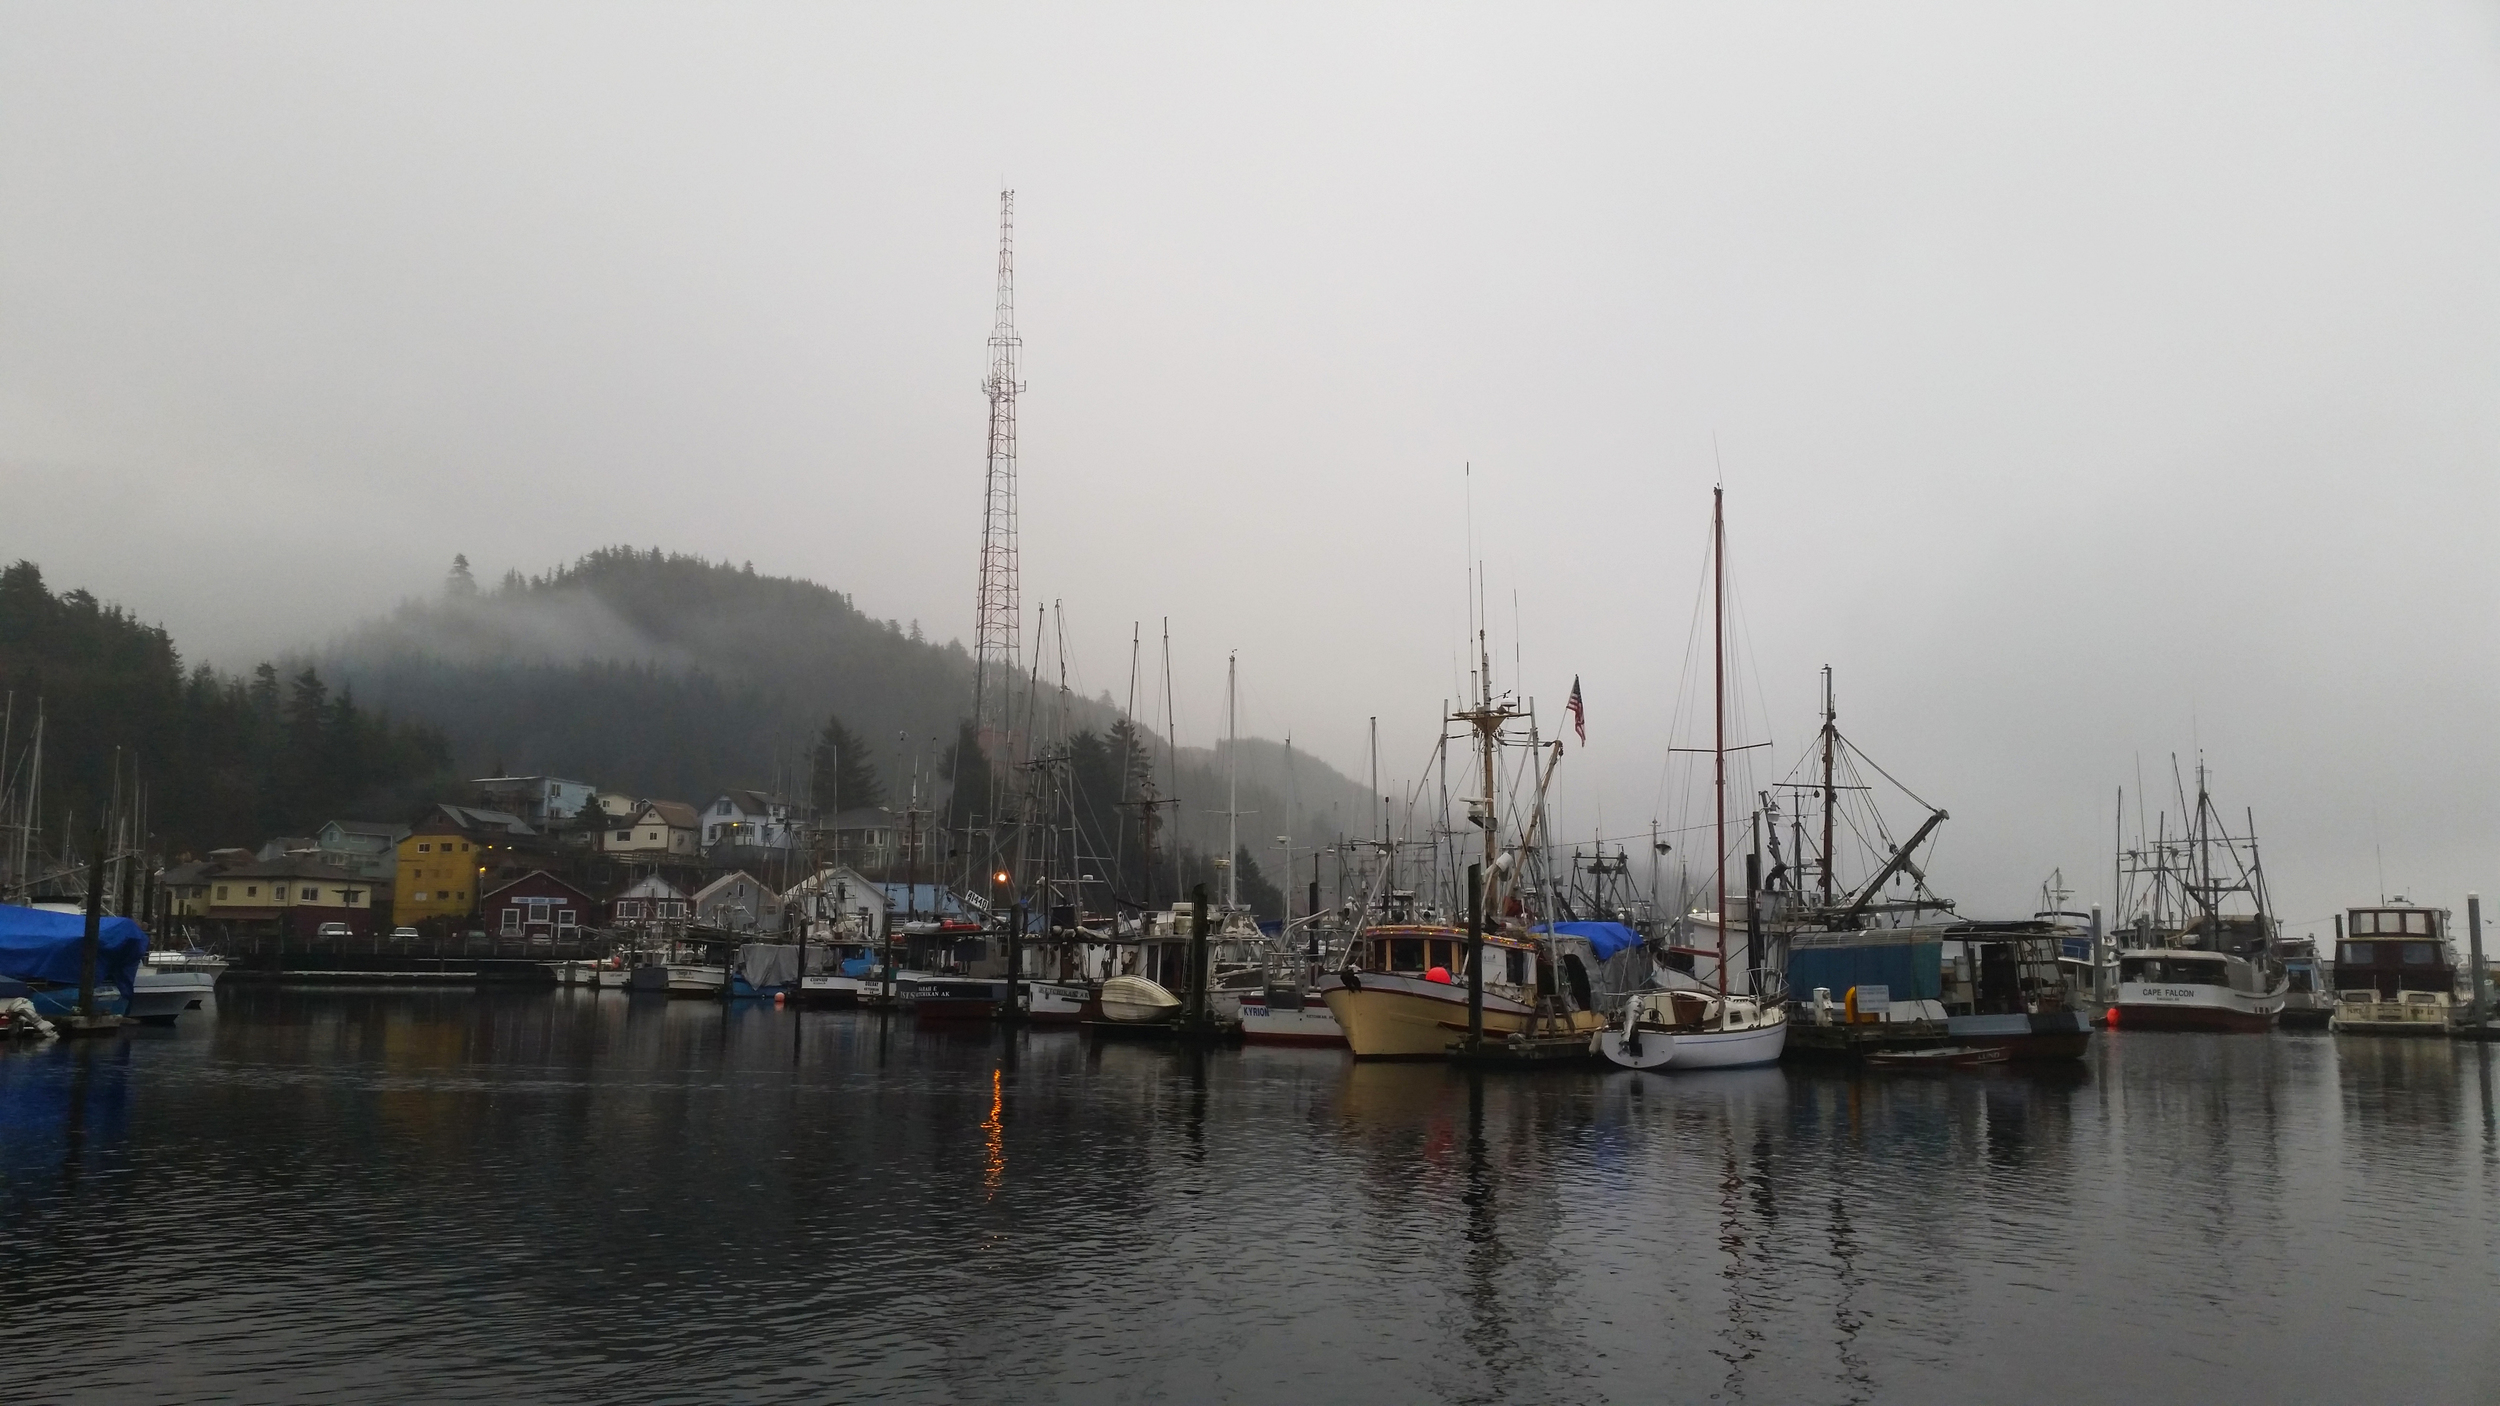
<point>1718,702</point>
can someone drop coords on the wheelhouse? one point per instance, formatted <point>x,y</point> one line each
<point>2174,968</point>
<point>1415,950</point>
<point>2395,948</point>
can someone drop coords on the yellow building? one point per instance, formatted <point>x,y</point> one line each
<point>298,895</point>
<point>444,858</point>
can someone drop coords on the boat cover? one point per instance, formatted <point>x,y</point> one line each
<point>1605,938</point>
<point>37,945</point>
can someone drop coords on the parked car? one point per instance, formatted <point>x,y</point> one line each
<point>403,934</point>
<point>331,930</point>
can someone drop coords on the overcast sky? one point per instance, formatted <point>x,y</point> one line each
<point>2090,383</point>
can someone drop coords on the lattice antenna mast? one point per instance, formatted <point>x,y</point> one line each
<point>999,611</point>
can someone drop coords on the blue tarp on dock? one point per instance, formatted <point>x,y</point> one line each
<point>40,946</point>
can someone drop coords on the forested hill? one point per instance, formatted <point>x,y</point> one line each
<point>223,760</point>
<point>666,675</point>
<point>654,674</point>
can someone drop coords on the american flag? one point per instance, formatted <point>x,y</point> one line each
<point>1579,714</point>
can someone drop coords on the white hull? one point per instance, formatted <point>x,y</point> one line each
<point>159,994</point>
<point>1311,1025</point>
<point>2173,1005</point>
<point>1055,1002</point>
<point>1706,1049</point>
<point>1133,1000</point>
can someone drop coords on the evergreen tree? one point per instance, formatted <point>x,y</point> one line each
<point>841,776</point>
<point>460,585</point>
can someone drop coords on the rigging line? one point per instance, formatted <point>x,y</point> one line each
<point>1888,776</point>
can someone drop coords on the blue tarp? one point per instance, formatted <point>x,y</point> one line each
<point>39,946</point>
<point>1606,938</point>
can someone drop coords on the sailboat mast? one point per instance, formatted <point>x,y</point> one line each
<point>1718,705</point>
<point>1232,785</point>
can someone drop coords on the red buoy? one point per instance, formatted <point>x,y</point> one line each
<point>1439,974</point>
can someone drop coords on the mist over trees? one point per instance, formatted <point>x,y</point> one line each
<point>226,760</point>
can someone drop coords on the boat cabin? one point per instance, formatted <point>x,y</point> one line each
<point>1417,950</point>
<point>2394,948</point>
<point>2174,967</point>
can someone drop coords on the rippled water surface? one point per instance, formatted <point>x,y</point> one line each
<point>309,1195</point>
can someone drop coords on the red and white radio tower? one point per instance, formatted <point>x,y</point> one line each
<point>1000,607</point>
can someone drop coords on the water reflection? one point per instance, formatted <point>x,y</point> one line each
<point>580,1194</point>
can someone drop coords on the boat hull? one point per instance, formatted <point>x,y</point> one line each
<point>839,993</point>
<point>1055,1002</point>
<point>158,996</point>
<point>2194,1006</point>
<point>2050,1035</point>
<point>1406,1017</point>
<point>1311,1026</point>
<point>1680,1050</point>
<point>1134,1000</point>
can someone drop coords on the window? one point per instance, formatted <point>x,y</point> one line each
<point>624,834</point>
<point>251,890</point>
<point>2358,954</point>
<point>564,917</point>
<point>421,896</point>
<point>512,920</point>
<point>2421,954</point>
<point>2417,924</point>
<point>2363,923</point>
<point>723,809</point>
<point>651,834</point>
<point>1406,954</point>
<point>464,848</point>
<point>461,897</point>
<point>221,893</point>
<point>310,894</point>
<point>424,848</point>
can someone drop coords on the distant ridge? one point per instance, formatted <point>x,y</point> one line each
<point>665,674</point>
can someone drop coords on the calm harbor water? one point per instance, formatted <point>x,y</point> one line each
<point>325,1195</point>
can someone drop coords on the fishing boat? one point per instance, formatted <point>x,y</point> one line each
<point>2394,972</point>
<point>2004,990</point>
<point>1406,989</point>
<point>2200,953</point>
<point>1286,1011</point>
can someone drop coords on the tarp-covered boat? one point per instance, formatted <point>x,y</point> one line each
<point>45,950</point>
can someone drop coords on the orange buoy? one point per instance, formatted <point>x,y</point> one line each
<point>1439,974</point>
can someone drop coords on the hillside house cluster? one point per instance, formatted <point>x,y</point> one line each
<point>543,857</point>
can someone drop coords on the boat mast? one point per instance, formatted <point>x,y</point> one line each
<point>1718,709</point>
<point>1831,728</point>
<point>1232,785</point>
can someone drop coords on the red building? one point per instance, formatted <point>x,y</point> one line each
<point>537,905</point>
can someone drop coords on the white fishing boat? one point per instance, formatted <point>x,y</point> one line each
<point>1288,1015</point>
<point>1133,1000</point>
<point>2195,961</point>
<point>1055,1002</point>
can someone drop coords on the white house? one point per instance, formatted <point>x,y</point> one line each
<point>541,800</point>
<point>838,896</point>
<point>649,904</point>
<point>753,819</point>
<point>738,902</point>
<point>660,829</point>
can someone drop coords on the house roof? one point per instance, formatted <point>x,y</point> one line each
<point>705,893</point>
<point>193,872</point>
<point>384,828</point>
<point>574,889</point>
<point>751,802</point>
<point>676,814</point>
<point>650,886</point>
<point>862,890</point>
<point>474,818</point>
<point>293,869</point>
<point>863,818</point>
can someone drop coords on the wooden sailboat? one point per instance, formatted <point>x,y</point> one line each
<point>1713,1028</point>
